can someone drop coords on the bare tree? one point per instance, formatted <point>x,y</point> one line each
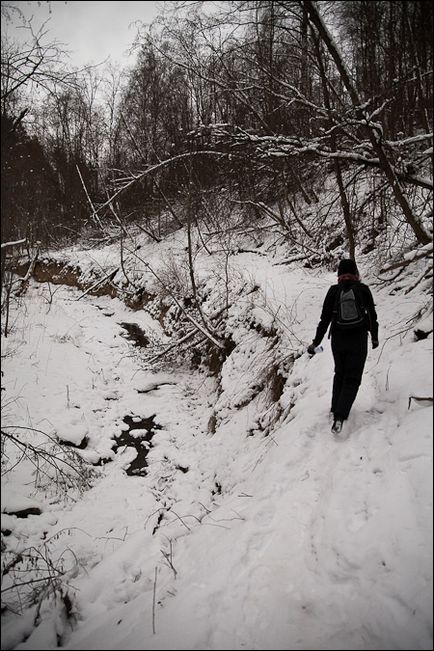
<point>373,129</point>
<point>38,62</point>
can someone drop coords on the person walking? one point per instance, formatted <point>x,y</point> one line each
<point>349,309</point>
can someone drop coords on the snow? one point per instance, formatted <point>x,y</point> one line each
<point>270,533</point>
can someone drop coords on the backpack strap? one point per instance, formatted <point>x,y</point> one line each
<point>335,310</point>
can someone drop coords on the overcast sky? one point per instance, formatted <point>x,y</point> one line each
<point>91,31</point>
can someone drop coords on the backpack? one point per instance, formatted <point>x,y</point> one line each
<point>349,313</point>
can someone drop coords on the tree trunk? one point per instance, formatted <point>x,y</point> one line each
<point>372,132</point>
<point>337,166</point>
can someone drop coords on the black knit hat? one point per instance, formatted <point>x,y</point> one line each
<point>347,267</point>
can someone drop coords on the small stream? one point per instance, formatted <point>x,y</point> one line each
<point>139,436</point>
<point>135,334</point>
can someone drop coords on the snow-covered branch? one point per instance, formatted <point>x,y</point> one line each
<point>5,245</point>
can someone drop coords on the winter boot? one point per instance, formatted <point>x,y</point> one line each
<point>337,426</point>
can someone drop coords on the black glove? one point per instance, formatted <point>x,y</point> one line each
<point>374,344</point>
<point>311,349</point>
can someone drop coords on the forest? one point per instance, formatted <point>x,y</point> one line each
<point>261,100</point>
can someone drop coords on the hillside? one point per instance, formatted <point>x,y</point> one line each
<point>246,524</point>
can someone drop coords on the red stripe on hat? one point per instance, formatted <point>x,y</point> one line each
<point>344,277</point>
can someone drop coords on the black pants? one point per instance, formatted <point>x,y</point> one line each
<point>349,351</point>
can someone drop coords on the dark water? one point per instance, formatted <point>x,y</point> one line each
<point>135,334</point>
<point>141,443</point>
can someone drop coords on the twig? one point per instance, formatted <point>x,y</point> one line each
<point>153,600</point>
<point>176,343</point>
<point>169,558</point>
<point>110,276</point>
<point>94,212</point>
<point>179,518</point>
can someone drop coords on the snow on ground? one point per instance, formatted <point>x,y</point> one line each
<point>231,541</point>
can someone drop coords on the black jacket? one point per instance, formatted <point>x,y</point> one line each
<point>364,294</point>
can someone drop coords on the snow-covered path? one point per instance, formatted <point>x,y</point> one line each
<point>295,540</point>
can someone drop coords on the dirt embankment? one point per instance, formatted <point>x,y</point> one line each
<point>58,273</point>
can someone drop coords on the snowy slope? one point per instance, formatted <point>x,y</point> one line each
<point>233,539</point>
